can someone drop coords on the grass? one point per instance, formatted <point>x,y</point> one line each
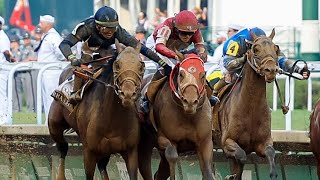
<point>300,119</point>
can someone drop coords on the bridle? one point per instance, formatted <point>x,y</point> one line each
<point>253,61</point>
<point>117,74</point>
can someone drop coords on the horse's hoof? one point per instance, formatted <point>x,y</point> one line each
<point>231,177</point>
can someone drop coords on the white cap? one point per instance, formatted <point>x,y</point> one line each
<point>47,18</point>
<point>1,20</point>
<point>235,26</point>
<point>221,34</point>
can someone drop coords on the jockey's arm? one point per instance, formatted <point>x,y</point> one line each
<point>162,37</point>
<point>125,38</point>
<point>287,64</point>
<point>232,63</point>
<point>80,33</point>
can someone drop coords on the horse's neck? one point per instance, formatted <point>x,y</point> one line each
<point>252,84</point>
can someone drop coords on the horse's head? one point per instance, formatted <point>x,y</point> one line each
<point>128,72</point>
<point>263,56</point>
<point>190,82</point>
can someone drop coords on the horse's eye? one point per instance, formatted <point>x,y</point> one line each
<point>181,75</point>
<point>255,49</point>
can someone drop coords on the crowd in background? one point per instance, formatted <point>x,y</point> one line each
<point>25,47</point>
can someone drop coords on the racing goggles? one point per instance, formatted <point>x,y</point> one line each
<point>104,29</point>
<point>185,33</point>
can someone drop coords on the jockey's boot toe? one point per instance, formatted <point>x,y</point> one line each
<point>74,98</point>
<point>214,100</point>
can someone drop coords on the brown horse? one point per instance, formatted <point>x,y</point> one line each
<point>182,117</point>
<point>106,118</point>
<point>244,118</point>
<point>315,134</point>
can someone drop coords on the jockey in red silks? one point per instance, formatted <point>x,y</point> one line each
<point>175,33</point>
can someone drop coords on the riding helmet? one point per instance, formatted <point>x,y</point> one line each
<point>257,31</point>
<point>107,17</point>
<point>186,21</point>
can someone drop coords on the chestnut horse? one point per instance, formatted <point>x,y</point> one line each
<point>106,119</point>
<point>315,134</point>
<point>244,117</point>
<point>182,118</point>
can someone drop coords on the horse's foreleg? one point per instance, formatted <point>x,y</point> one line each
<point>131,159</point>
<point>89,163</point>
<point>234,151</point>
<point>56,125</point>
<point>205,153</point>
<point>102,166</point>
<point>162,173</point>
<point>145,147</point>
<point>171,154</point>
<point>268,150</point>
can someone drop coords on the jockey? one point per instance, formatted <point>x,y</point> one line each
<point>98,34</point>
<point>234,56</point>
<point>175,33</point>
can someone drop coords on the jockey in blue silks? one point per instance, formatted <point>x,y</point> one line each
<point>234,51</point>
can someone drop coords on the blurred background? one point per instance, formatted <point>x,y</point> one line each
<point>297,27</point>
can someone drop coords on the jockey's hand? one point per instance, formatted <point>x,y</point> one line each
<point>203,56</point>
<point>75,62</point>
<point>167,70</point>
<point>305,72</point>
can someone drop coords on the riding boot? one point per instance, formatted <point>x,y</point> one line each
<point>145,101</point>
<point>214,97</point>
<point>75,96</point>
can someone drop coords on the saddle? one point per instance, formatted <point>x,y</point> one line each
<point>63,91</point>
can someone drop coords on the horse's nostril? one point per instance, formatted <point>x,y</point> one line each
<point>196,102</point>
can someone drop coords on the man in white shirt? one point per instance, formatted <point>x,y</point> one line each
<point>48,51</point>
<point>4,58</point>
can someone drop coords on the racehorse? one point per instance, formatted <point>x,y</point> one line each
<point>244,115</point>
<point>106,119</point>
<point>315,134</point>
<point>181,115</point>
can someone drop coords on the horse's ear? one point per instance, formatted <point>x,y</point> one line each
<point>138,47</point>
<point>253,35</point>
<point>118,46</point>
<point>271,36</point>
<point>180,55</point>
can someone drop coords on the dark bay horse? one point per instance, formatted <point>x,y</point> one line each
<point>245,118</point>
<point>182,116</point>
<point>315,134</point>
<point>105,119</point>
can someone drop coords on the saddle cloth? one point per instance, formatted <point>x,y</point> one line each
<point>63,92</point>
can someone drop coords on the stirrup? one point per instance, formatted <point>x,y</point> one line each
<point>214,100</point>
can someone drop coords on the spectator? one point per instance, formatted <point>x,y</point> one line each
<point>142,23</point>
<point>221,37</point>
<point>158,18</point>
<point>37,37</point>
<point>203,20</point>
<point>4,57</point>
<point>17,85</point>
<point>48,51</point>
<point>233,29</point>
<point>29,76</point>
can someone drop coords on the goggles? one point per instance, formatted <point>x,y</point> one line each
<point>104,29</point>
<point>184,33</point>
